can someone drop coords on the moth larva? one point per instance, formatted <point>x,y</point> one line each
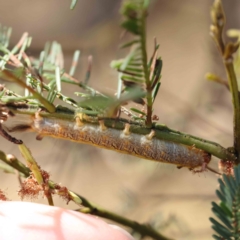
<point>143,146</point>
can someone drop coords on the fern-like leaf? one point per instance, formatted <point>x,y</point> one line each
<point>108,106</point>
<point>135,69</point>
<point>132,66</point>
<point>227,224</point>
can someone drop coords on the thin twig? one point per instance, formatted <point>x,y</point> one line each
<point>32,164</point>
<point>161,131</point>
<point>227,51</point>
<point>143,229</point>
<point>11,77</point>
<point>146,69</point>
<point>217,79</point>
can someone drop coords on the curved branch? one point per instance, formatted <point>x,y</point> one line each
<point>161,132</point>
<point>143,229</point>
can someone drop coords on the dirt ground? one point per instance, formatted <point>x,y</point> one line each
<point>177,201</point>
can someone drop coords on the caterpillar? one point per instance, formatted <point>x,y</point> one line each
<point>118,134</point>
<point>143,146</point>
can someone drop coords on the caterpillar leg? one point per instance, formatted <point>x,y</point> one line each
<point>39,137</point>
<point>202,169</point>
<point>205,167</point>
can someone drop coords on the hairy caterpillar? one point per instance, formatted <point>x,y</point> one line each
<point>124,141</point>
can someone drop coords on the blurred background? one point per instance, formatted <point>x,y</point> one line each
<point>178,202</point>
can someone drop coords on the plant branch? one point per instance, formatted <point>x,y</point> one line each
<point>161,131</point>
<point>217,79</point>
<point>143,229</point>
<point>32,164</point>
<point>235,100</point>
<point>227,51</point>
<point>12,161</point>
<point>145,68</point>
<point>11,77</point>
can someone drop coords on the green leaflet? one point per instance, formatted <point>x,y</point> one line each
<point>136,70</point>
<point>138,111</point>
<point>132,66</point>
<point>73,4</point>
<point>108,105</point>
<point>227,221</point>
<point>131,26</point>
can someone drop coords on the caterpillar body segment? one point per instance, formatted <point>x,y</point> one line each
<point>124,141</point>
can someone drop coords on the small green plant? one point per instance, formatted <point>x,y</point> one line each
<point>105,121</point>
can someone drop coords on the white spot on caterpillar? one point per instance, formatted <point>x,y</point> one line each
<point>79,123</point>
<point>102,127</point>
<point>145,140</point>
<point>56,125</point>
<point>150,135</point>
<point>126,129</point>
<point>37,116</point>
<point>90,129</point>
<point>125,133</point>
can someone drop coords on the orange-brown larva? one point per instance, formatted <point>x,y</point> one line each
<point>143,146</point>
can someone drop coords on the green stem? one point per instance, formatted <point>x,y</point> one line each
<point>146,69</point>
<point>232,80</point>
<point>10,76</point>
<point>227,50</point>
<point>32,164</point>
<point>213,148</point>
<point>143,229</point>
<point>49,198</point>
<point>161,132</point>
<point>14,163</point>
<point>62,97</point>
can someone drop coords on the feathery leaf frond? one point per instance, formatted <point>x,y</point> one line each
<point>135,69</point>
<point>227,225</point>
